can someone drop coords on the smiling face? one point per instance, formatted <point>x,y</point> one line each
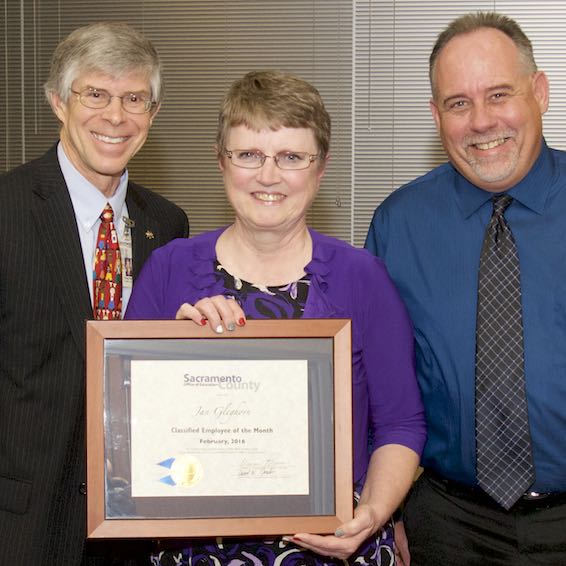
<point>101,142</point>
<point>488,108</point>
<point>269,198</point>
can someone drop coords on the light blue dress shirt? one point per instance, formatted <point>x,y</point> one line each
<point>430,233</point>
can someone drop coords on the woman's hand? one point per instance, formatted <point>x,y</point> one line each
<point>220,312</point>
<point>346,540</point>
<point>402,553</point>
<point>390,474</point>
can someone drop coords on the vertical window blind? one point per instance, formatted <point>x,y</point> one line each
<point>394,138</point>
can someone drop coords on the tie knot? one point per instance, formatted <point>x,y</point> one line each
<point>107,214</point>
<point>500,204</point>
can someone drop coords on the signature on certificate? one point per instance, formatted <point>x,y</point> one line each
<point>261,468</point>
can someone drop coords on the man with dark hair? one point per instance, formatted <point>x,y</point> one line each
<point>69,221</point>
<point>476,248</point>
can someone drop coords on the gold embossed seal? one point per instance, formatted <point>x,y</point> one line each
<point>186,470</point>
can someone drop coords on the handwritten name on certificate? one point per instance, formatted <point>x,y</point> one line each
<point>219,427</point>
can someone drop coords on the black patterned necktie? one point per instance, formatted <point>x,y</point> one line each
<point>504,462</point>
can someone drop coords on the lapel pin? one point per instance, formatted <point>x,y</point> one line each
<point>149,235</point>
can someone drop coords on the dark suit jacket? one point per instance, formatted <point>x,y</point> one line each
<point>44,302</point>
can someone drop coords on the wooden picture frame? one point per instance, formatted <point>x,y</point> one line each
<point>157,468</point>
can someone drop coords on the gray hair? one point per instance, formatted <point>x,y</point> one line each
<point>112,48</point>
<point>477,20</point>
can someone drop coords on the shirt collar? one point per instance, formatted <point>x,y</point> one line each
<point>532,191</point>
<point>88,201</point>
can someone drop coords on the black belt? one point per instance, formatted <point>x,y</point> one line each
<point>529,501</point>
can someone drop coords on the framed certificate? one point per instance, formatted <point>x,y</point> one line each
<point>194,434</point>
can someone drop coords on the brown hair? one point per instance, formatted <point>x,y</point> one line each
<point>477,20</point>
<point>274,99</point>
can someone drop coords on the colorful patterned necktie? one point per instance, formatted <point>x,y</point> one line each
<point>107,272</point>
<point>504,462</point>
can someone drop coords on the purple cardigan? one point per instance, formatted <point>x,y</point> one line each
<point>346,282</point>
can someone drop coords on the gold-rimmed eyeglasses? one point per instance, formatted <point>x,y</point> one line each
<point>97,99</point>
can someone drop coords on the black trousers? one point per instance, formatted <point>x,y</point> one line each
<point>447,526</point>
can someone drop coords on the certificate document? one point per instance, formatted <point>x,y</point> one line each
<point>219,427</point>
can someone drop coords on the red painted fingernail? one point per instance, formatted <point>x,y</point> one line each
<point>202,321</point>
<point>242,322</point>
<point>297,539</point>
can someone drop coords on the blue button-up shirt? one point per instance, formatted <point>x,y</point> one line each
<point>430,234</point>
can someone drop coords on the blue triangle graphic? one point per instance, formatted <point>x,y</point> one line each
<point>168,480</point>
<point>167,463</point>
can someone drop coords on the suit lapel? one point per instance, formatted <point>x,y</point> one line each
<point>55,222</point>
<point>54,218</point>
<point>146,233</point>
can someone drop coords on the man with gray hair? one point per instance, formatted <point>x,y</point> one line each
<point>477,250</point>
<point>69,223</point>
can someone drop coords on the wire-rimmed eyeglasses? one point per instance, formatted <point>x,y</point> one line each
<point>97,99</point>
<point>287,160</point>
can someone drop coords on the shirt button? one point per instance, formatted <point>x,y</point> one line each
<point>82,488</point>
